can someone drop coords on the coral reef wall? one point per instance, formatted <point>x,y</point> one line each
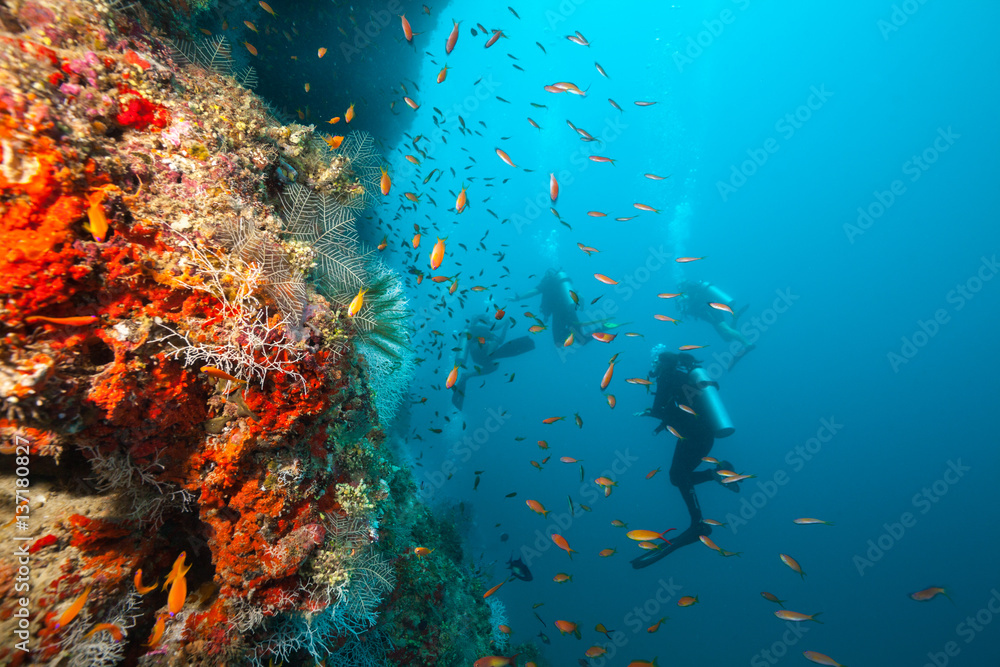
<point>192,446</point>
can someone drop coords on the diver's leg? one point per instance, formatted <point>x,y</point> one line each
<point>687,456</point>
<point>728,333</point>
<point>512,348</point>
<point>458,394</point>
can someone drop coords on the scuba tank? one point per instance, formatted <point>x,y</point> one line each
<point>710,404</point>
<point>717,295</point>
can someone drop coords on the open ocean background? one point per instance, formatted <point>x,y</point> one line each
<point>872,397</point>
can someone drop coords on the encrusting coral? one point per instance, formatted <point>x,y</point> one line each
<point>183,379</point>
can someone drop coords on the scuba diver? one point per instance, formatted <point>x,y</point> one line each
<point>483,344</point>
<point>560,302</point>
<point>687,403</point>
<point>694,302</point>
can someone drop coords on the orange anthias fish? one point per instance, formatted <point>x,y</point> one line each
<point>687,601</point>
<point>461,200</point>
<point>604,279</point>
<point>809,521</point>
<point>792,563</point>
<point>157,634</point>
<point>721,306</point>
<point>603,336</point>
<point>554,189</point>
<point>568,628</point>
<point>666,318</point>
<point>334,141</point>
<point>349,114</point>
<point>537,507</point>
<point>437,254</point>
<point>929,593</point>
<point>416,241</point>
<point>115,630</point>
<point>251,26</point>
<point>334,120</point>
<point>494,589</point>
<point>138,584</point>
<point>685,260</point>
<point>73,610</point>
<point>422,552</point>
<point>656,626</point>
<point>178,593</point>
<point>220,374</point>
<point>644,207</point>
<point>356,303</point>
<point>452,378</point>
<point>773,598</point>
<point>66,321</point>
<point>820,659</point>
<point>267,8</point>
<point>410,103</point>
<point>552,420</point>
<point>647,535</point>
<point>563,544</point>
<point>606,380</point>
<point>506,158</point>
<point>407,30</point>
<point>707,541</point>
<point>497,34</point>
<point>322,51</point>
<point>386,182</point>
<point>443,74</point>
<point>796,617</point>
<point>686,348</point>
<point>452,38</point>
<point>251,48</point>
<point>496,661</point>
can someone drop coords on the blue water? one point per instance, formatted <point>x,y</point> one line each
<point>840,101</point>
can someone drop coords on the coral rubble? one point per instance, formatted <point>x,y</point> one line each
<point>179,373</point>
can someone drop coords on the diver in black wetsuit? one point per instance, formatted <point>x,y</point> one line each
<point>484,355</point>
<point>696,295</point>
<point>681,381</point>
<point>559,303</point>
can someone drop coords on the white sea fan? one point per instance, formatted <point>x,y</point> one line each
<point>498,617</point>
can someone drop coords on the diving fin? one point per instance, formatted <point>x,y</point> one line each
<point>458,394</point>
<point>513,348</point>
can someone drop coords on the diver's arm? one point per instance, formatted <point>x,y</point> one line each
<point>461,356</point>
<point>526,295</point>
